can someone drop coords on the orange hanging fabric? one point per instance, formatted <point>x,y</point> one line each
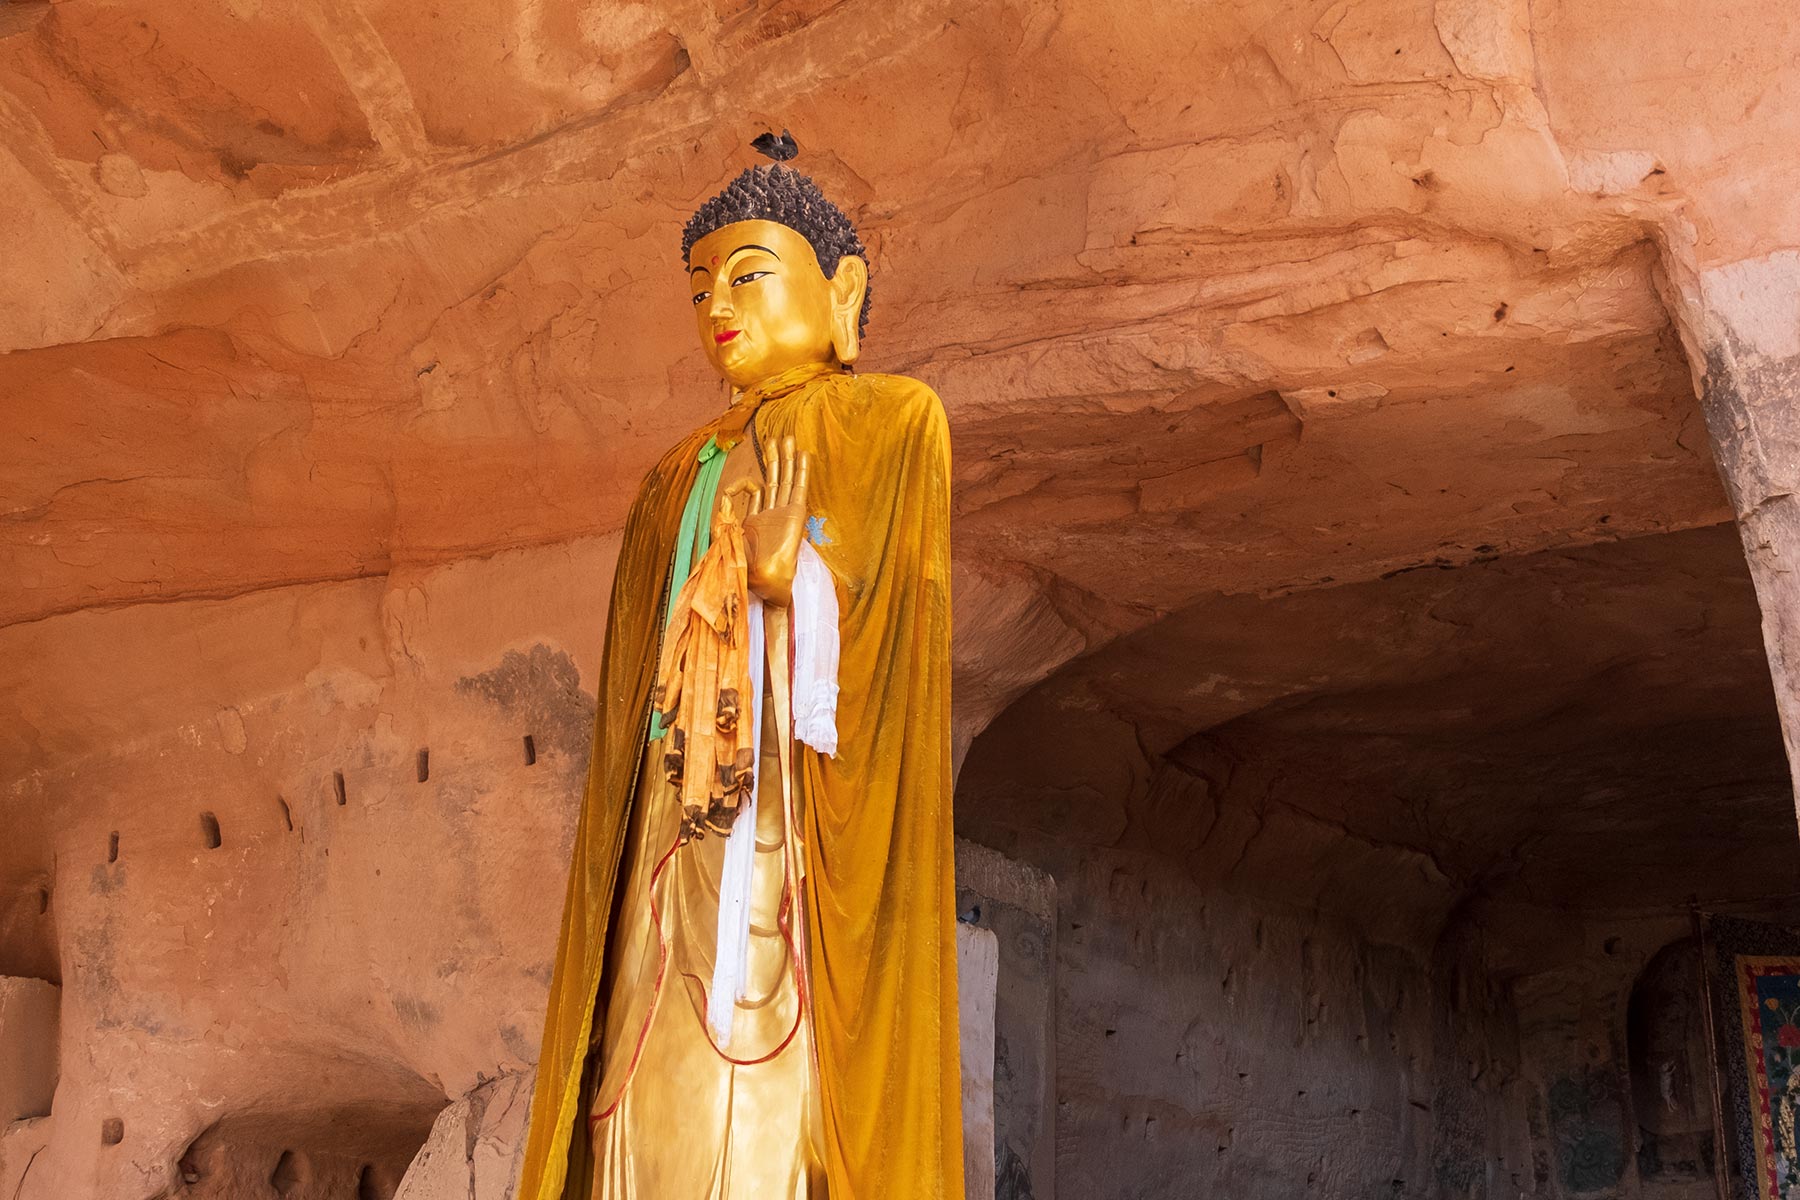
<point>703,687</point>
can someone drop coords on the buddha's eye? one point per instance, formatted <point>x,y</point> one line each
<point>699,296</point>
<point>748,277</point>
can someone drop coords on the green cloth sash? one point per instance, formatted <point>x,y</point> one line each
<point>694,537</point>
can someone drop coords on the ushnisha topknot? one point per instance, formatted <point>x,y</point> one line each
<point>781,147</point>
<point>781,194</point>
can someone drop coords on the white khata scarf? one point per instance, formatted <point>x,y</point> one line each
<point>815,697</point>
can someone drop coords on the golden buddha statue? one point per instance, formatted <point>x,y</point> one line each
<point>831,1067</point>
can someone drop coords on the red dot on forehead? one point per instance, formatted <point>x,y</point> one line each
<point>715,261</point>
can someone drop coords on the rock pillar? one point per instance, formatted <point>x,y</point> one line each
<point>1016,1039</point>
<point>1742,326</point>
<point>977,974</point>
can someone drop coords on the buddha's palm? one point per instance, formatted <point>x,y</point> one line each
<point>776,523</point>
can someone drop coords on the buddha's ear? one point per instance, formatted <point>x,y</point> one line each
<point>848,287</point>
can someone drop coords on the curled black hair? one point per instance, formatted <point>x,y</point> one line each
<point>781,194</point>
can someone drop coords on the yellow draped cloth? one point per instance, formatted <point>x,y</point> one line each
<point>876,819</point>
<point>703,685</point>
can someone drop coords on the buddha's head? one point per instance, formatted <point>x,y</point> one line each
<point>779,277</point>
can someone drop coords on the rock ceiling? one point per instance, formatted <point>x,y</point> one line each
<point>1588,728</point>
<point>1291,298</point>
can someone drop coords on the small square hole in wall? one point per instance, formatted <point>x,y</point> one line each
<point>112,1131</point>
<point>112,846</point>
<point>209,829</point>
<point>424,765</point>
<point>337,786</point>
<point>530,751</point>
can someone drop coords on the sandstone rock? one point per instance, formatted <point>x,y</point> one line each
<point>473,1150</point>
<point>977,978</point>
<point>120,176</point>
<point>1347,611</point>
<point>440,1170</point>
<point>28,1036</point>
<point>1017,904</point>
<point>20,1144</point>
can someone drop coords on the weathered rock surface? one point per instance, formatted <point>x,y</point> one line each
<point>475,1145</point>
<point>1017,903</point>
<point>1339,542</point>
<point>977,980</point>
<point>28,1027</point>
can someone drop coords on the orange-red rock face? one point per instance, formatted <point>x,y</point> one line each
<point>411,280</point>
<point>339,333</point>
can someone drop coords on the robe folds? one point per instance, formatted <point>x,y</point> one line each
<point>879,888</point>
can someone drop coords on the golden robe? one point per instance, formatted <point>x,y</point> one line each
<point>878,893</point>
<point>676,1115</point>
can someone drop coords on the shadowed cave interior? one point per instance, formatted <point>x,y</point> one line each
<point>1407,862</point>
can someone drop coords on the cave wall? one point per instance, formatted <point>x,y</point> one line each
<point>1617,1051</point>
<point>1213,1041</point>
<point>1217,1040</point>
<point>309,895</point>
<point>29,1010</point>
<point>1210,1044</point>
<point>1593,1136</point>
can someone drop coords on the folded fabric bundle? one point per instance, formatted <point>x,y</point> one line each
<point>709,695</point>
<point>703,689</point>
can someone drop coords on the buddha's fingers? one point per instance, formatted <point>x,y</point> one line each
<point>798,496</point>
<point>784,493</point>
<point>773,482</point>
<point>743,496</point>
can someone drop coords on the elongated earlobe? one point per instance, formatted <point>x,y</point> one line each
<point>848,286</point>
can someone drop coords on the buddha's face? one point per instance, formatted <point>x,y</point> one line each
<point>762,305</point>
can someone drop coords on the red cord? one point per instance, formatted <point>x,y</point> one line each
<point>783,919</point>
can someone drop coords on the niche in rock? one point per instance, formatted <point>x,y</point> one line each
<point>28,938</point>
<point>1671,1087</point>
<point>335,1151</point>
<point>292,1171</point>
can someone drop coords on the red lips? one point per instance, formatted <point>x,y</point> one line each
<point>722,338</point>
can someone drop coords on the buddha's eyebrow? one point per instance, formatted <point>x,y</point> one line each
<point>740,250</point>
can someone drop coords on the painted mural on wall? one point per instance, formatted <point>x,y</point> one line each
<point>1757,986</point>
<point>1769,1015</point>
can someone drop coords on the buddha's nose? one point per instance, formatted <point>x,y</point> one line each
<point>719,307</point>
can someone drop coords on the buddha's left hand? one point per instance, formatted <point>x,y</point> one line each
<point>776,524</point>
